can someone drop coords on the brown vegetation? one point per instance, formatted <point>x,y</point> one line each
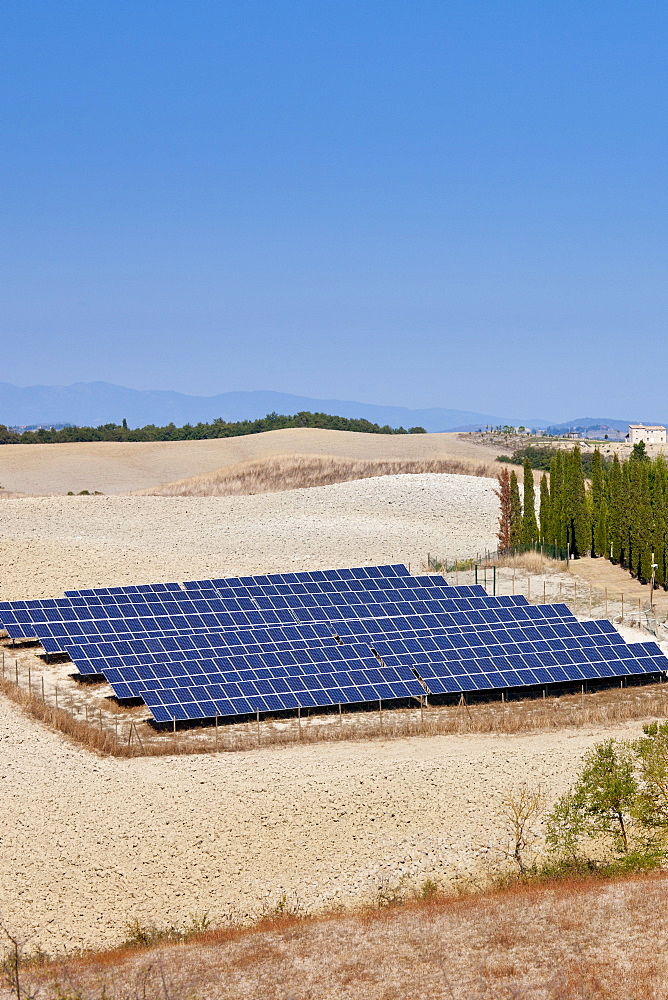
<point>591,939</point>
<point>607,707</point>
<point>291,472</point>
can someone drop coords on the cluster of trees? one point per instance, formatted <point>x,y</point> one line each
<point>618,806</point>
<point>194,432</point>
<point>540,457</point>
<point>619,511</point>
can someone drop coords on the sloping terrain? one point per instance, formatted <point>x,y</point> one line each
<point>51,544</point>
<point>566,941</point>
<point>113,468</point>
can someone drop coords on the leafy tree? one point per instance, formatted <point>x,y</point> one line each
<point>600,804</point>
<point>652,754</point>
<point>218,428</point>
<point>515,512</point>
<point>529,523</point>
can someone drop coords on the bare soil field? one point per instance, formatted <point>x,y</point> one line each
<point>562,941</point>
<point>114,468</point>
<point>88,843</point>
<point>56,543</point>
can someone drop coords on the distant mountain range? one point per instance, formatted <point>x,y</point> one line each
<point>95,403</point>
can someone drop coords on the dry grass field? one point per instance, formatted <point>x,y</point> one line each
<point>563,941</point>
<point>306,471</point>
<point>114,468</point>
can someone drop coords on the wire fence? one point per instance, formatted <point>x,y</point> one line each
<point>647,612</point>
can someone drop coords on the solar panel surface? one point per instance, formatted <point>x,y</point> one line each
<point>267,643</point>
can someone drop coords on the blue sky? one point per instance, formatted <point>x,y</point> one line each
<point>426,203</point>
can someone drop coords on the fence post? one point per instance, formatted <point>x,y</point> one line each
<point>494,590</point>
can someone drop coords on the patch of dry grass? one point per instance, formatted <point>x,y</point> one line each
<point>531,562</point>
<point>566,940</point>
<point>291,472</point>
<point>594,709</point>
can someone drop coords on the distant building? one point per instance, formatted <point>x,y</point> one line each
<point>650,435</point>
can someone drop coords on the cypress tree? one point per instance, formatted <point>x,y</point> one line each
<point>575,505</point>
<point>545,513</point>
<point>615,511</point>
<point>515,512</point>
<point>557,533</point>
<point>625,517</point>
<point>659,533</point>
<point>596,499</point>
<point>529,523</point>
<point>643,527</point>
<point>503,493</point>
<point>601,543</point>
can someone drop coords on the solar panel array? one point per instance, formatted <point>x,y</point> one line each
<point>234,646</point>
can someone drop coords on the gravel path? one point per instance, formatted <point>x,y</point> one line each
<point>49,544</point>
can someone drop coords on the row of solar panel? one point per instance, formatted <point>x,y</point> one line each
<point>358,669</point>
<point>390,573</point>
<point>416,624</point>
<point>62,609</point>
<point>54,640</point>
<point>130,682</point>
<point>304,661</point>
<point>92,657</point>
<point>55,631</point>
<point>192,701</point>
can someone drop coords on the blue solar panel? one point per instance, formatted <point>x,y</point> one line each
<point>279,641</point>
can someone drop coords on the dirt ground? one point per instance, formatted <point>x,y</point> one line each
<point>603,575</point>
<point>113,468</point>
<point>88,843</point>
<point>49,544</point>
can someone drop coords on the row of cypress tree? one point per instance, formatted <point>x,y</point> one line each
<point>621,513</point>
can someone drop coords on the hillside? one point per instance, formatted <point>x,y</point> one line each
<point>115,468</point>
<point>53,543</point>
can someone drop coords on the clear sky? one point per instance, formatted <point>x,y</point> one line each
<point>439,203</point>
